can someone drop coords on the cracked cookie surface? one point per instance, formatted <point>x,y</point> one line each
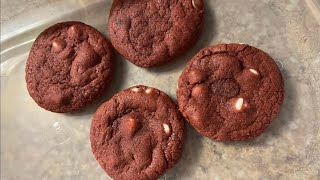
<point>138,134</point>
<point>68,67</point>
<point>150,33</point>
<point>230,92</point>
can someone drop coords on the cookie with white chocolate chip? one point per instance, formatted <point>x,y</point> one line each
<point>150,33</point>
<point>68,67</point>
<point>230,92</point>
<point>138,134</point>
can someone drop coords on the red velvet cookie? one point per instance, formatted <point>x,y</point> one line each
<point>230,92</point>
<point>69,66</point>
<point>150,33</point>
<point>138,134</point>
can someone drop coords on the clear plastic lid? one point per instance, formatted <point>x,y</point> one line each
<point>38,144</point>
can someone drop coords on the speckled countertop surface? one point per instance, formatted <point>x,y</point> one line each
<point>36,144</point>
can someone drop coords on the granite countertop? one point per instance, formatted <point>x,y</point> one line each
<point>37,144</point>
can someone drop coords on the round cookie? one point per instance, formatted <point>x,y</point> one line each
<point>68,67</point>
<point>150,32</point>
<point>138,134</point>
<point>230,92</point>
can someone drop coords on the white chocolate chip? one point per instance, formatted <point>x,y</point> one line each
<point>194,4</point>
<point>166,128</point>
<point>148,90</point>
<point>254,71</point>
<point>239,104</point>
<point>197,4</point>
<point>131,126</point>
<point>135,89</point>
<point>72,28</point>
<point>74,32</point>
<point>58,45</point>
<point>55,44</point>
<point>75,29</point>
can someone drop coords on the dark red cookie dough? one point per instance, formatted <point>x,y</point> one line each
<point>69,66</point>
<point>150,33</point>
<point>230,91</point>
<point>138,134</point>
